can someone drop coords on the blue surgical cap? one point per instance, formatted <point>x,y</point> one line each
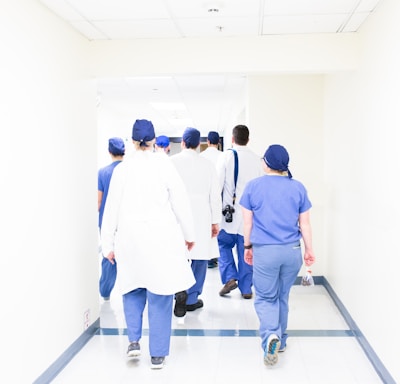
<point>116,146</point>
<point>213,137</point>
<point>277,158</point>
<point>162,141</point>
<point>191,137</point>
<point>143,131</point>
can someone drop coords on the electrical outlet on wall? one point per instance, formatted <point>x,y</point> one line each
<point>86,319</point>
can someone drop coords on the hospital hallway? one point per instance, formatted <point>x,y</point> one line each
<point>219,344</point>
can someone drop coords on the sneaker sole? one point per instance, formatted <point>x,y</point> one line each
<point>134,353</point>
<point>271,355</point>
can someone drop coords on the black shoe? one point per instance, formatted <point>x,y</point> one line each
<point>213,263</point>
<point>193,307</point>
<point>180,304</point>
<point>229,286</point>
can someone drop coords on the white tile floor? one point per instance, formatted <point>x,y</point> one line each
<point>205,353</point>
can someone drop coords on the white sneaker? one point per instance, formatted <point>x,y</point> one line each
<point>271,350</point>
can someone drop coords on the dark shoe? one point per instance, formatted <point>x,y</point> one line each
<point>157,362</point>
<point>133,349</point>
<point>229,286</point>
<point>180,304</point>
<point>213,263</point>
<point>193,307</point>
<point>247,295</point>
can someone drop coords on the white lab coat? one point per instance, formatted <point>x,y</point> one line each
<point>250,167</point>
<point>200,178</point>
<point>147,219</point>
<point>212,154</point>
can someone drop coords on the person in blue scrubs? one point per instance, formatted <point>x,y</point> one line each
<point>116,149</point>
<point>276,218</point>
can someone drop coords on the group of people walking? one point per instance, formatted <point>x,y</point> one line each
<point>166,218</point>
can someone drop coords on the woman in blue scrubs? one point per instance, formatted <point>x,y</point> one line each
<point>276,217</point>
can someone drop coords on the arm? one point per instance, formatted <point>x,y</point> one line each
<point>99,199</point>
<point>248,225</point>
<point>306,233</point>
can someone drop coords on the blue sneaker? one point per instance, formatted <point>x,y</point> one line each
<point>271,350</point>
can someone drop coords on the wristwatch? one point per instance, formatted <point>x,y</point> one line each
<point>248,246</point>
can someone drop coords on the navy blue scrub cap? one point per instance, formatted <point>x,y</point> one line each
<point>116,146</point>
<point>191,137</point>
<point>143,131</point>
<point>213,137</point>
<point>277,158</point>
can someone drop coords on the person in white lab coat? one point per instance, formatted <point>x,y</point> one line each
<point>200,178</point>
<point>212,153</point>
<point>162,144</point>
<point>148,227</point>
<point>235,273</point>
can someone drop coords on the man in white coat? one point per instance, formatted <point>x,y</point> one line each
<point>212,153</point>
<point>240,274</point>
<point>200,178</point>
<point>148,227</point>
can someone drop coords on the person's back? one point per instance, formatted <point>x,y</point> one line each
<point>231,234</point>
<point>212,152</point>
<point>116,149</point>
<point>200,178</point>
<point>148,227</point>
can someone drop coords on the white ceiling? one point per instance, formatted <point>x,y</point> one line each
<point>204,102</point>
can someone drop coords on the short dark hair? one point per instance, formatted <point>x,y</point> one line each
<point>240,135</point>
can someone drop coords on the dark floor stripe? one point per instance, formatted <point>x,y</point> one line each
<point>235,332</point>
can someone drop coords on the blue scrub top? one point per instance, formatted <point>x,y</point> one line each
<point>103,183</point>
<point>276,202</point>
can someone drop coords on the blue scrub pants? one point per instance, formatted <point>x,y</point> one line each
<point>199,268</point>
<point>275,268</point>
<point>160,318</point>
<point>108,277</point>
<point>228,270</point>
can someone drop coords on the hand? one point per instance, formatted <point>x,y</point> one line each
<point>309,258</point>
<point>111,257</point>
<point>214,230</point>
<point>189,245</point>
<point>248,256</point>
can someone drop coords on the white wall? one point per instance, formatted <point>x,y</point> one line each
<point>48,190</point>
<point>288,110</point>
<point>362,143</point>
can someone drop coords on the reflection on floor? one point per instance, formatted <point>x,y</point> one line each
<point>219,344</point>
